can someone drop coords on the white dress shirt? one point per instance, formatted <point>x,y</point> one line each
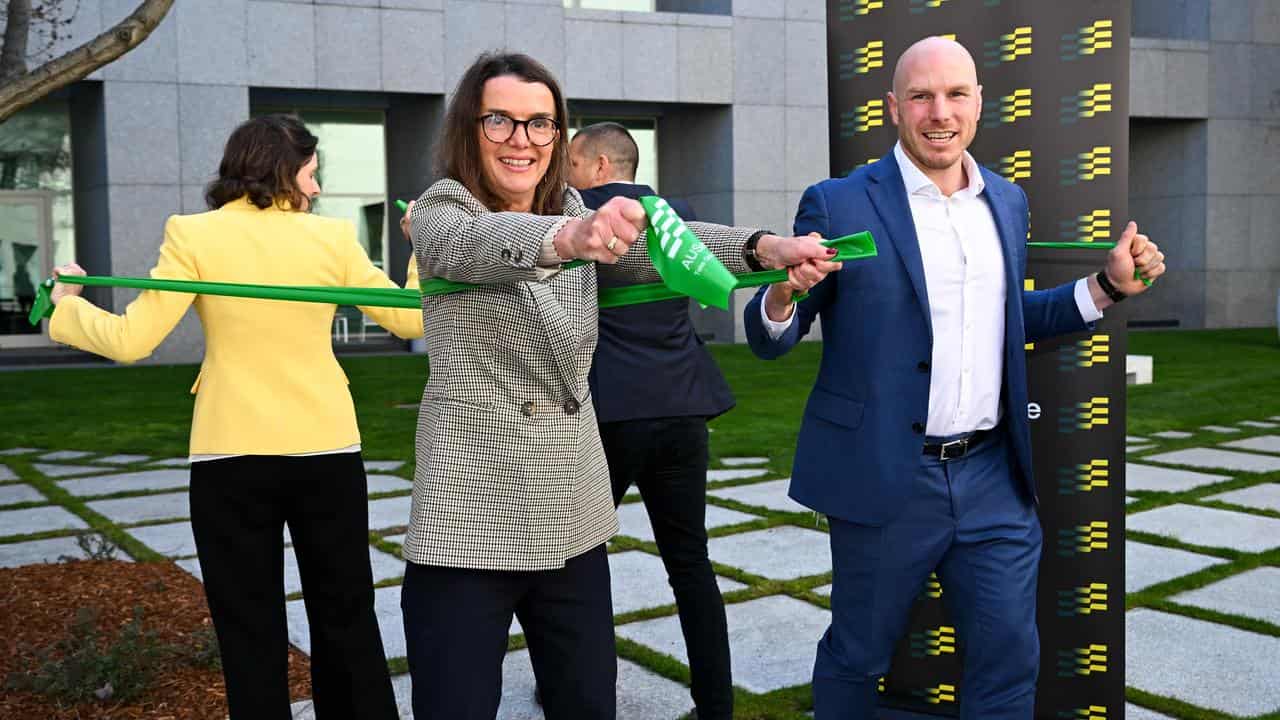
<point>965,279</point>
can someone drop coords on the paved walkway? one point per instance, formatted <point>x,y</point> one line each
<point>1203,585</point>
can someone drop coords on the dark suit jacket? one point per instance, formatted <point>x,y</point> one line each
<point>649,363</point>
<point>860,438</point>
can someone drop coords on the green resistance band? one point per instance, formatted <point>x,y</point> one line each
<point>1088,246</point>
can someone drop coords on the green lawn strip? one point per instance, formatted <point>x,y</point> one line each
<point>1163,541</point>
<point>1253,625</point>
<point>1173,708</point>
<point>77,506</point>
<point>1194,581</point>
<point>1223,505</point>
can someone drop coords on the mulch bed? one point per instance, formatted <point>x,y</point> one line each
<point>37,603</point>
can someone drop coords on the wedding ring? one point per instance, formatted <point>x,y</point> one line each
<point>612,241</point>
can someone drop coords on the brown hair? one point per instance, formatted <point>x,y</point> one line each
<point>261,161</point>
<point>612,140</point>
<point>458,149</point>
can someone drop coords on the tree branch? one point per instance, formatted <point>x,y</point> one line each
<point>77,64</point>
<point>13,57</point>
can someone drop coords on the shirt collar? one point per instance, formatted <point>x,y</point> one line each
<point>916,181</point>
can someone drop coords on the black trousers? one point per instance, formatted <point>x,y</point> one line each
<point>666,458</point>
<point>456,622</point>
<point>239,507</point>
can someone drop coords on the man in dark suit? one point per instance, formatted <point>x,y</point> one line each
<point>655,386</point>
<point>915,441</point>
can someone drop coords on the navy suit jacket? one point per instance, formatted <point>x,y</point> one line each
<point>861,436</point>
<point>654,364</point>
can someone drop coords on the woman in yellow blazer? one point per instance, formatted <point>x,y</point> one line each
<point>273,438</point>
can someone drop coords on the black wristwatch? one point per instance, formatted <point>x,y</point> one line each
<point>1107,287</point>
<point>749,251</point>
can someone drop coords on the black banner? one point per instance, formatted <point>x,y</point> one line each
<point>1055,79</point>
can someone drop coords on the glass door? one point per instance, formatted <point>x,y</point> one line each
<point>25,240</point>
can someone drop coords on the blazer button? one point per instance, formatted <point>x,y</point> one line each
<point>922,366</point>
<point>506,254</point>
<point>571,406</point>
<point>918,428</point>
<point>527,409</point>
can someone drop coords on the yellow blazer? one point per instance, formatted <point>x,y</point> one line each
<point>269,383</point>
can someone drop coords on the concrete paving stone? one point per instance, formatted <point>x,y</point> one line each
<point>1202,663</point>
<point>20,451</point>
<point>779,553</point>
<point>642,694</point>
<point>171,539</point>
<point>389,512</point>
<point>640,582</point>
<point>718,475</point>
<point>1172,435</point>
<point>7,474</point>
<point>1135,439</point>
<point>128,511</point>
<point>1137,448</point>
<point>20,493</point>
<point>1274,417</point>
<point>633,519</point>
<point>1262,443</point>
<point>383,465</point>
<point>1258,424</point>
<point>385,567</point>
<point>1225,459</point>
<point>1263,497</point>
<point>1146,565</point>
<point>772,640</point>
<point>167,479</point>
<point>772,495</point>
<point>1253,594</point>
<point>1148,477</point>
<point>1133,712</point>
<point>1130,500</point>
<point>38,519</point>
<point>1223,429</point>
<point>386,605</point>
<point>172,462</point>
<point>388,483</point>
<point>823,590</point>
<point>68,470</point>
<point>50,550</point>
<point>740,461</point>
<point>65,455</point>
<point>123,459</point>
<point>1209,527</point>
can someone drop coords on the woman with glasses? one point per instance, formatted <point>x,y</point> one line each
<point>512,503</point>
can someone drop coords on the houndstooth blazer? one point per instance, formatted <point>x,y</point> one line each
<point>510,473</point>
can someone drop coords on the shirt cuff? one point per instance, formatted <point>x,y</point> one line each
<point>549,261</point>
<point>775,329</point>
<point>1084,301</point>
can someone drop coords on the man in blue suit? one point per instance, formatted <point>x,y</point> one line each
<point>654,387</point>
<point>915,442</point>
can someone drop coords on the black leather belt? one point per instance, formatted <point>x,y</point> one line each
<point>955,448</point>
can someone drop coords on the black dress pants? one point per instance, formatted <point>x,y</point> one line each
<point>239,507</point>
<point>456,622</point>
<point>666,458</point>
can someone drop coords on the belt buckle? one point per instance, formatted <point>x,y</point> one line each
<point>962,445</point>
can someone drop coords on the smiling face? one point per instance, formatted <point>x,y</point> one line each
<point>513,169</point>
<point>935,103</point>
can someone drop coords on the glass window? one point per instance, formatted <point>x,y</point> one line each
<point>643,130</point>
<point>632,5</point>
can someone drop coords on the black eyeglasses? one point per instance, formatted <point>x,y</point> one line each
<point>499,128</point>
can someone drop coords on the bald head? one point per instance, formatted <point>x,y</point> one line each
<point>932,53</point>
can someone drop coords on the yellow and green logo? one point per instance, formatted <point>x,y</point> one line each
<point>1084,600</point>
<point>933,586</point>
<point>869,57</point>
<point>1092,712</point>
<point>1088,103</point>
<point>1084,415</point>
<point>1008,47</point>
<point>1086,41</point>
<point>1083,661</point>
<point>933,642</point>
<point>853,9</point>
<point>944,693</point>
<point>1093,350</point>
<point>1086,166</point>
<point>1085,477</point>
<point>920,6</point>
<point>1093,226</point>
<point>1007,109</point>
<point>869,115</point>
<point>1083,539</point>
<point>1017,166</point>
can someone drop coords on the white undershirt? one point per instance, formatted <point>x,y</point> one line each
<point>965,278</point>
